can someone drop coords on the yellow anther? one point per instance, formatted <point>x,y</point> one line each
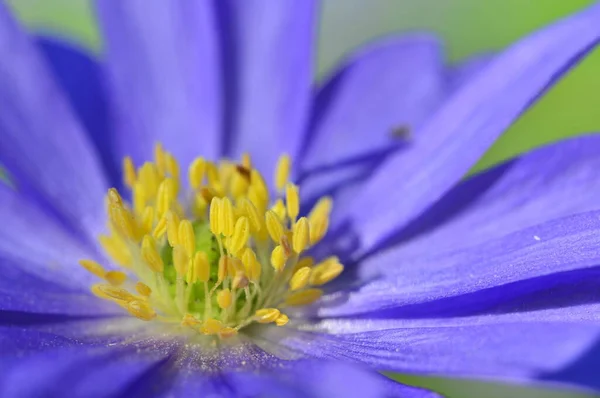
<point>300,279</point>
<point>215,216</point>
<point>163,197</point>
<point>251,265</point>
<point>160,158</point>
<point>187,237</point>
<point>292,200</point>
<point>143,289</point>
<point>304,262</point>
<point>139,197</point>
<point>115,278</point>
<point>222,268</point>
<point>274,226</point>
<point>256,199</point>
<point>246,160</point>
<point>160,228</point>
<point>279,209</point>
<point>267,315</point>
<point>199,206</point>
<point>120,217</point>
<point>116,249</point>
<point>319,219</point>
<point>211,326</point>
<point>116,293</point>
<point>181,260</point>
<point>128,172</point>
<point>148,219</point>
<point>172,165</point>
<point>240,280</point>
<point>252,213</point>
<point>149,178</point>
<point>326,271</point>
<point>240,181</point>
<point>200,268</point>
<point>240,235</point>
<point>141,309</point>
<point>226,217</point>
<point>282,320</point>
<point>150,254</point>
<point>234,265</point>
<point>282,171</point>
<point>224,299</point>
<point>286,245</point>
<point>191,321</point>
<point>227,332</point>
<point>301,237</point>
<point>196,172</point>
<point>257,183</point>
<point>93,267</point>
<point>303,297</point>
<point>172,228</point>
<point>213,178</point>
<point>278,258</point>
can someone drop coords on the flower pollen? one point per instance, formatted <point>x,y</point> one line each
<point>217,256</point>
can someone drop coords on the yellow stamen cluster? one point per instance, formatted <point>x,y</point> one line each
<point>217,256</point>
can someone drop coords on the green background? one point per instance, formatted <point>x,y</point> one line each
<point>468,27</point>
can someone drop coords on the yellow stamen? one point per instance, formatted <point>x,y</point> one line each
<point>326,271</point>
<point>246,160</point>
<point>120,217</point>
<point>139,197</point>
<point>222,270</point>
<point>300,279</point>
<point>93,267</point>
<point>274,226</point>
<point>172,228</point>
<point>240,235</point>
<point>116,293</point>
<point>148,219</point>
<point>267,315</point>
<point>191,321</point>
<point>226,217</point>
<point>172,166</point>
<point>143,289</point>
<point>160,158</point>
<point>129,176</point>
<point>181,260</point>
<point>160,228</point>
<point>282,172</point>
<point>164,198</point>
<point>301,237</point>
<point>149,178</point>
<point>240,280</point>
<point>282,320</point>
<point>260,188</point>
<point>224,299</point>
<point>251,265</point>
<point>187,237</point>
<point>116,249</point>
<point>141,310</point>
<point>227,332</point>
<point>304,262</point>
<point>201,268</point>
<point>319,219</point>
<point>292,200</point>
<point>303,297</point>
<point>279,209</point>
<point>150,254</point>
<point>211,326</point>
<point>252,213</point>
<point>215,216</point>
<point>115,278</point>
<point>196,172</point>
<point>278,258</point>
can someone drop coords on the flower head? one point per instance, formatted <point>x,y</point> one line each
<point>241,236</point>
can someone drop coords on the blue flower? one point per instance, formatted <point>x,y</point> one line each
<point>209,286</point>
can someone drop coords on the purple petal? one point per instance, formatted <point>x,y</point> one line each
<point>163,63</point>
<point>34,242</point>
<point>270,53</point>
<point>83,81</point>
<point>42,145</point>
<point>485,347</point>
<point>561,245</point>
<point>466,126</point>
<point>391,84</point>
<point>461,74</point>
<point>551,182</point>
<point>81,372</point>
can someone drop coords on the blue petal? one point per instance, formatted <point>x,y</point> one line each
<point>83,81</point>
<point>390,84</point>
<point>42,145</point>
<point>164,66</point>
<point>551,182</point>
<point>561,245</point>
<point>466,126</point>
<point>34,242</point>
<point>81,372</point>
<point>270,50</point>
<point>468,69</point>
<point>499,347</point>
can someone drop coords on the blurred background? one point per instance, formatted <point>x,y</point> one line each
<point>468,27</point>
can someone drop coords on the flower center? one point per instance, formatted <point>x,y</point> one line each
<point>217,256</point>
